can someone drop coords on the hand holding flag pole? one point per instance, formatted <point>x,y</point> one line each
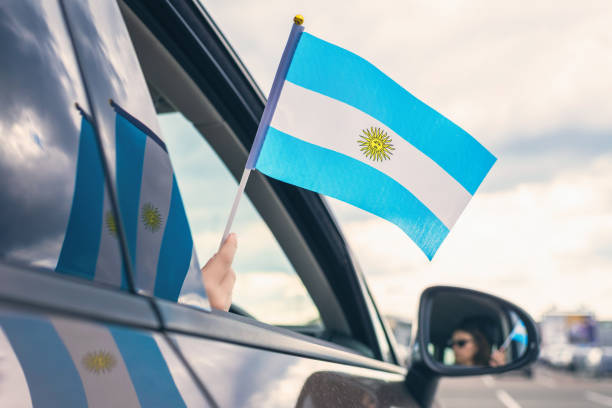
<point>517,333</point>
<point>266,117</point>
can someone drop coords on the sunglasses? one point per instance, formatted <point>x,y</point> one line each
<point>458,343</point>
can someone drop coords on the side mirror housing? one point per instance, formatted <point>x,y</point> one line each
<point>465,332</point>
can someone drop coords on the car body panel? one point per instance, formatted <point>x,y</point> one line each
<point>239,376</point>
<point>51,202</point>
<point>51,360</point>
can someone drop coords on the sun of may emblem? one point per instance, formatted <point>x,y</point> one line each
<point>99,362</point>
<point>111,224</point>
<point>375,144</point>
<point>151,217</point>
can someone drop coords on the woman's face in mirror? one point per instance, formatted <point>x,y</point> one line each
<point>464,347</point>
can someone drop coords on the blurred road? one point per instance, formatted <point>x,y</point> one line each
<point>547,388</point>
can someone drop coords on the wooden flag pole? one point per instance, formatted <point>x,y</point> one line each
<point>266,117</point>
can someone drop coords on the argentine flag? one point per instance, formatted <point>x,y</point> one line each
<point>59,362</point>
<point>156,226</point>
<point>157,231</point>
<point>519,333</point>
<point>90,249</point>
<point>337,125</point>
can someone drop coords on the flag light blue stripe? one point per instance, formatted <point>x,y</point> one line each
<point>333,71</point>
<point>519,333</point>
<point>52,378</point>
<point>148,370</point>
<point>79,252</point>
<point>520,337</point>
<point>130,144</point>
<point>336,175</point>
<point>176,249</point>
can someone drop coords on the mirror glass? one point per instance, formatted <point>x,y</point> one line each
<point>468,329</point>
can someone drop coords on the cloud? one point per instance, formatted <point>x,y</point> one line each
<point>541,158</point>
<point>40,130</point>
<point>500,70</point>
<point>275,298</point>
<point>539,244</point>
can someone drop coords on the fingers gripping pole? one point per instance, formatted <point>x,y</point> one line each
<point>230,220</point>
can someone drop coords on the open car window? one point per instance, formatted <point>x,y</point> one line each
<point>205,155</point>
<point>291,262</point>
<point>267,287</point>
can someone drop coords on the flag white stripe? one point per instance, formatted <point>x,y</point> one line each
<point>193,292</point>
<point>108,264</point>
<point>111,388</point>
<point>14,390</point>
<point>194,265</point>
<point>334,125</point>
<point>156,189</point>
<point>185,384</point>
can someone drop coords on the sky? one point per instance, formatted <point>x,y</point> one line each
<point>531,81</point>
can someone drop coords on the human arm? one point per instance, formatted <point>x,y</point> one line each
<point>498,358</point>
<point>219,276</point>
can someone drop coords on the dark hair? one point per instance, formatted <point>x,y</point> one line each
<point>483,353</point>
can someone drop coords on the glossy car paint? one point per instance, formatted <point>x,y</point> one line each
<point>239,376</point>
<point>40,127</point>
<point>51,360</point>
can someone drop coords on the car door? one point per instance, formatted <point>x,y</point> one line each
<point>245,363</point>
<point>72,330</point>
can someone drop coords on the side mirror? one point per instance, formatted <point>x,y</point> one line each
<point>466,332</point>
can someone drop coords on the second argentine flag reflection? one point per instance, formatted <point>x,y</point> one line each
<point>344,129</point>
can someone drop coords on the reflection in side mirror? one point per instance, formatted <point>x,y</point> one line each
<point>475,332</point>
<point>467,332</point>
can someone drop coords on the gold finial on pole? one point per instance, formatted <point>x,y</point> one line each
<point>298,19</point>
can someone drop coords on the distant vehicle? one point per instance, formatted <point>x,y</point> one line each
<point>598,362</point>
<point>567,338</point>
<point>402,331</point>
